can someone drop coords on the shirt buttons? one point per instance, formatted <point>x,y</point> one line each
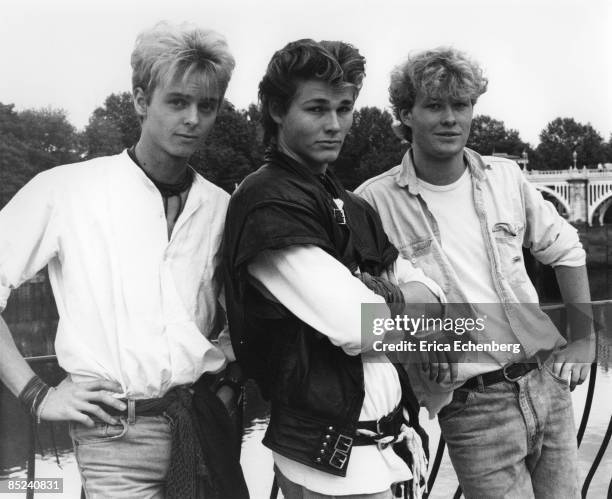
<point>413,260</point>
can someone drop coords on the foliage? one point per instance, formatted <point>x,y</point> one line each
<point>232,150</point>
<point>370,147</point>
<point>489,135</point>
<point>562,136</point>
<point>112,127</point>
<point>32,141</point>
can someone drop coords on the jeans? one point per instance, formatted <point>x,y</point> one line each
<point>292,490</point>
<point>514,440</point>
<point>125,460</point>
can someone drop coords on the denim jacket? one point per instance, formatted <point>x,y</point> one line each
<point>512,214</point>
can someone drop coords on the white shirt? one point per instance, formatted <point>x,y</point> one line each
<point>134,307</point>
<point>320,291</point>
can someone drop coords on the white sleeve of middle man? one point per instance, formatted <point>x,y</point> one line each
<point>317,289</point>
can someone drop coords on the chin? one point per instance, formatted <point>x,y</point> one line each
<point>325,158</point>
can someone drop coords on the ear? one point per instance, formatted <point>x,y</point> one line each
<point>140,103</point>
<point>275,112</point>
<point>406,117</point>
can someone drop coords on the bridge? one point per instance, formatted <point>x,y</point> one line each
<point>580,195</point>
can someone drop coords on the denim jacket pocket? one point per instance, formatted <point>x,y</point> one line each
<point>423,254</point>
<point>508,238</point>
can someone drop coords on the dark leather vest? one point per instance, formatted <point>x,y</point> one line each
<point>316,389</point>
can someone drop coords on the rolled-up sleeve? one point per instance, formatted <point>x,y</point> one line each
<point>549,237</point>
<point>28,234</point>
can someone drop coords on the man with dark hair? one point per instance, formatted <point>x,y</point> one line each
<point>132,242</point>
<point>506,415</point>
<point>299,251</point>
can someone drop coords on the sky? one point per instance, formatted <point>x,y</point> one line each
<point>543,58</point>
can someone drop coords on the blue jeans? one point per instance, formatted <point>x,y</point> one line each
<point>514,440</point>
<point>125,460</point>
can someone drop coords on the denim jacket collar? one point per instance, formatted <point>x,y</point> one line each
<point>407,176</point>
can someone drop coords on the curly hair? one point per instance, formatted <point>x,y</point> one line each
<point>169,51</point>
<point>336,63</point>
<point>441,72</point>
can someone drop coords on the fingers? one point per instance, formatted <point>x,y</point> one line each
<point>79,417</point>
<point>102,384</point>
<point>107,399</point>
<point>556,368</point>
<point>98,412</point>
<point>72,401</point>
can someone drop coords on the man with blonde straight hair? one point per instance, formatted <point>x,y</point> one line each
<point>132,244</point>
<point>506,416</point>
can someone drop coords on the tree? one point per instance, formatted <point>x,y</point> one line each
<point>370,147</point>
<point>489,135</point>
<point>32,141</point>
<point>112,127</point>
<point>562,136</point>
<point>232,150</point>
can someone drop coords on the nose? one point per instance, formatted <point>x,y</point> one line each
<point>332,124</point>
<point>448,116</point>
<point>192,116</point>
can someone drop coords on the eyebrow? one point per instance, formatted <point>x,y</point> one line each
<point>327,101</point>
<point>188,96</point>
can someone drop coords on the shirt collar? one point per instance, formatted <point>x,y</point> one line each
<point>407,175</point>
<point>197,192</point>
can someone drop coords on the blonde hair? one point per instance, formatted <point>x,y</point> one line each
<point>168,51</point>
<point>441,72</point>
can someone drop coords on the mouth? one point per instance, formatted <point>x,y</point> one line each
<point>448,134</point>
<point>187,136</point>
<point>330,143</point>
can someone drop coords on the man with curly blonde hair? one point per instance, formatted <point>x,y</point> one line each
<point>505,415</point>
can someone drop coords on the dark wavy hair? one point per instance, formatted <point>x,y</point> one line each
<point>334,62</point>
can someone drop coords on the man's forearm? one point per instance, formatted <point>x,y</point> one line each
<point>574,287</point>
<point>14,370</point>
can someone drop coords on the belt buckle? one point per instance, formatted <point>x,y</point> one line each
<point>338,459</point>
<point>343,444</point>
<point>508,378</point>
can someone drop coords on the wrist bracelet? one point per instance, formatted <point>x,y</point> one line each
<point>39,411</point>
<point>30,396</point>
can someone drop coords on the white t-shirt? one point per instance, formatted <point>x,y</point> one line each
<point>453,207</point>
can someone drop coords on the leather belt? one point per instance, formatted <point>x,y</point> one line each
<point>510,373</point>
<point>389,425</point>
